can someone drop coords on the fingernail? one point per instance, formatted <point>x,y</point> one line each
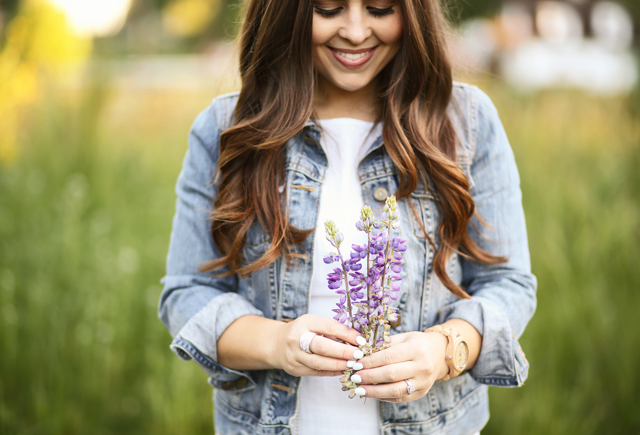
<point>358,366</point>
<point>356,379</point>
<point>350,364</point>
<point>360,391</point>
<point>360,340</point>
<point>358,354</point>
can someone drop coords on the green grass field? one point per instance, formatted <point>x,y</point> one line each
<point>85,216</point>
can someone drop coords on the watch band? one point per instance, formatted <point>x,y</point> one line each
<point>453,338</point>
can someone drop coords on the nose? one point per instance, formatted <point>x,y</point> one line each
<point>356,28</point>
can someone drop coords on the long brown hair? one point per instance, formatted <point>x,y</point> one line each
<point>277,99</point>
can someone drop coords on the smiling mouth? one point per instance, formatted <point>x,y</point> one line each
<point>353,58</point>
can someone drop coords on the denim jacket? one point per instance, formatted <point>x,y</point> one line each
<point>197,307</point>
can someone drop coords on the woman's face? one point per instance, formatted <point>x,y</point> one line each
<point>353,40</point>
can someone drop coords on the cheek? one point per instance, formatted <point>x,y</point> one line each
<point>392,32</point>
<point>321,31</point>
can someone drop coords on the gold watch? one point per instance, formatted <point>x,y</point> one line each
<point>457,353</point>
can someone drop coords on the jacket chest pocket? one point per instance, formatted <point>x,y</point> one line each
<point>428,216</point>
<point>255,245</point>
<point>255,240</point>
<point>428,210</point>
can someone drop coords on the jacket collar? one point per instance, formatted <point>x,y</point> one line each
<point>313,129</point>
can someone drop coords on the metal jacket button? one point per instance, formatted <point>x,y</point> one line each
<point>395,324</point>
<point>241,383</point>
<point>380,194</point>
<point>235,385</point>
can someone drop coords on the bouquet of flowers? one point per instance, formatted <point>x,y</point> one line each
<point>366,293</point>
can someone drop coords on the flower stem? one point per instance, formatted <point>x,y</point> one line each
<point>375,336</point>
<point>367,277</point>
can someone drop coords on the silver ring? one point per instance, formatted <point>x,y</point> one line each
<point>306,339</point>
<point>410,388</point>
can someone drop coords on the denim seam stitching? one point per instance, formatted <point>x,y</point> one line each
<point>231,408</point>
<point>203,360</point>
<point>374,175</point>
<point>195,354</point>
<point>463,401</point>
<point>296,167</point>
<point>498,380</point>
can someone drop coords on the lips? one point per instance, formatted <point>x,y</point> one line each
<point>352,58</point>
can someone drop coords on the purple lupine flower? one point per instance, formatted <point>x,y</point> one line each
<point>365,296</point>
<point>329,258</point>
<point>334,285</point>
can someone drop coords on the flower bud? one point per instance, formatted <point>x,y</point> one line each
<point>329,258</point>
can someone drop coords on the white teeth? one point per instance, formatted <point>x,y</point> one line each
<point>353,56</point>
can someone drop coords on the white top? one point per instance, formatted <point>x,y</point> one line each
<point>323,408</point>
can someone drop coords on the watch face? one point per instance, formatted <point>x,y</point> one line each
<point>461,355</point>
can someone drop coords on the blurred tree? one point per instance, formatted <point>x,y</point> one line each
<point>173,26</point>
<point>39,47</point>
<point>8,9</point>
<point>142,7</point>
<point>226,23</point>
<point>634,7</point>
<point>9,6</point>
<point>189,18</point>
<point>460,10</point>
<point>185,25</point>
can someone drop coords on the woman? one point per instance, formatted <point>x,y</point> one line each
<point>343,103</point>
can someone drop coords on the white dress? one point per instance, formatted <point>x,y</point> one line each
<point>323,408</point>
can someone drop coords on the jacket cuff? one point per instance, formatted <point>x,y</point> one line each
<point>501,361</point>
<point>198,339</point>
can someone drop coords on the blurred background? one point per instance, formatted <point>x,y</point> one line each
<point>96,99</point>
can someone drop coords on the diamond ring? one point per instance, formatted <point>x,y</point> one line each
<point>305,341</point>
<point>410,387</point>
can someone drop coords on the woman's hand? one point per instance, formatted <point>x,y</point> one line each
<point>416,356</point>
<point>328,357</point>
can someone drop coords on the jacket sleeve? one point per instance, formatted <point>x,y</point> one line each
<point>197,307</point>
<point>503,295</point>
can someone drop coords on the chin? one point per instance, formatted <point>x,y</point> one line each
<point>351,85</point>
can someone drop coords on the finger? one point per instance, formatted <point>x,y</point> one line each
<point>329,348</point>
<point>389,373</point>
<point>391,355</point>
<point>322,363</point>
<point>306,371</point>
<point>301,370</point>
<point>331,337</point>
<point>331,327</point>
<point>391,391</point>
